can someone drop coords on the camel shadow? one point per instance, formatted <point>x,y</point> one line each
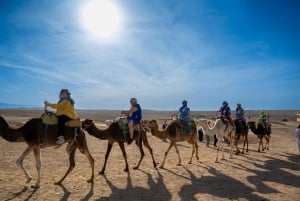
<point>90,193</point>
<point>217,184</point>
<point>156,191</point>
<point>274,172</point>
<point>31,194</point>
<point>67,193</point>
<point>17,194</point>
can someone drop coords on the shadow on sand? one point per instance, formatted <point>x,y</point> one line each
<point>157,190</point>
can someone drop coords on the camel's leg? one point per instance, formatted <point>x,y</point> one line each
<point>230,139</point>
<point>193,152</point>
<point>244,143</point>
<point>246,137</point>
<point>140,145</point>
<point>218,146</point>
<point>86,152</point>
<point>71,149</point>
<point>83,148</point>
<point>260,142</point>
<point>237,138</point>
<point>20,162</point>
<point>222,148</point>
<point>124,156</point>
<point>37,155</point>
<point>197,147</point>
<point>166,153</point>
<point>146,143</point>
<point>178,154</point>
<point>109,146</point>
<point>267,142</point>
<point>231,147</point>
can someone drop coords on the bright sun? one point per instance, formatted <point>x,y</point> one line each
<point>101,18</point>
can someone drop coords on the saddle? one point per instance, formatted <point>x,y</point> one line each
<point>123,124</point>
<point>185,126</point>
<point>49,118</point>
<point>240,125</point>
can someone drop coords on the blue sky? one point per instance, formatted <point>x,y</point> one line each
<point>205,52</point>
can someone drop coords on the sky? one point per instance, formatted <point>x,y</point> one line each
<point>160,52</point>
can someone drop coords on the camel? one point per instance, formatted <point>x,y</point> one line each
<point>32,133</point>
<point>115,134</point>
<point>221,130</point>
<point>241,131</point>
<point>261,132</point>
<point>174,133</point>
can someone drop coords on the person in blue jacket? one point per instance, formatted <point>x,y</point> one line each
<point>134,115</point>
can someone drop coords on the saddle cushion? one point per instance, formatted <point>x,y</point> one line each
<point>123,124</point>
<point>73,123</point>
<point>49,118</point>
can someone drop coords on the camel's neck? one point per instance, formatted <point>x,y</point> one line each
<point>96,132</point>
<point>11,134</point>
<point>158,133</point>
<point>210,131</point>
<point>254,129</point>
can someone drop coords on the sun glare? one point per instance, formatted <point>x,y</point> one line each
<point>101,18</point>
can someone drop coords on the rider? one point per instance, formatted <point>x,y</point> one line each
<point>262,118</point>
<point>134,115</point>
<point>64,111</point>
<point>184,113</point>
<point>225,112</point>
<point>239,114</point>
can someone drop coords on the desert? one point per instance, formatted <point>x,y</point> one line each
<point>272,174</point>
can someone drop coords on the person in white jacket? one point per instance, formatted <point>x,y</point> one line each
<point>297,134</point>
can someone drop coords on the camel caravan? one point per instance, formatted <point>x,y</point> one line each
<point>42,132</point>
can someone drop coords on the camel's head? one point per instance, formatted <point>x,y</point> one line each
<point>150,123</point>
<point>87,123</point>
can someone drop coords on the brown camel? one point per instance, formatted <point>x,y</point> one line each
<point>174,133</point>
<point>261,132</point>
<point>32,133</point>
<point>115,134</point>
<point>241,130</point>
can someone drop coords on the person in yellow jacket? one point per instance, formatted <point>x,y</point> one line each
<point>65,111</point>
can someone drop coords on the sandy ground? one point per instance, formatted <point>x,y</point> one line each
<point>270,175</point>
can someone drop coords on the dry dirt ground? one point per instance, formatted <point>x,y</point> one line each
<point>270,175</point>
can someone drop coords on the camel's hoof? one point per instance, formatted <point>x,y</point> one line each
<point>162,167</point>
<point>35,187</point>
<point>189,162</point>
<point>102,172</point>
<point>197,157</point>
<point>135,168</point>
<point>179,164</point>
<point>126,170</point>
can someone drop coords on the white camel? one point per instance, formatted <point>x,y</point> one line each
<point>221,130</point>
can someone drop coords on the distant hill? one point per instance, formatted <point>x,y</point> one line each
<point>11,106</point>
